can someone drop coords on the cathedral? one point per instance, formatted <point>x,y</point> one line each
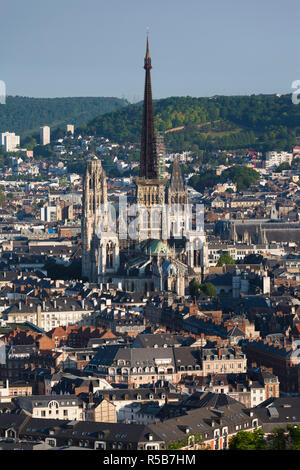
<point>161,249</point>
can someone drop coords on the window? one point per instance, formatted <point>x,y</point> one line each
<point>100,445</point>
<point>51,442</point>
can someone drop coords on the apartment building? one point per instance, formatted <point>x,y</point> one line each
<point>10,141</point>
<point>44,135</point>
<point>52,406</point>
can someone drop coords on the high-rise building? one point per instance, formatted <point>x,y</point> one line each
<point>274,159</point>
<point>70,128</point>
<point>10,141</point>
<point>44,135</point>
<point>49,214</point>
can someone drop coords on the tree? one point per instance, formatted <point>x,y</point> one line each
<point>294,435</point>
<point>278,439</point>
<point>208,289</point>
<point>225,258</point>
<point>29,143</point>
<point>245,440</point>
<point>240,175</point>
<point>63,181</point>
<point>194,288</point>
<point>283,166</point>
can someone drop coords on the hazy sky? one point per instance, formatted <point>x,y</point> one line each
<point>198,47</point>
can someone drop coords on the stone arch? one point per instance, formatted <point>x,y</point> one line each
<point>110,254</point>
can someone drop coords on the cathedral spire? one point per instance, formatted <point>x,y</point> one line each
<point>148,157</point>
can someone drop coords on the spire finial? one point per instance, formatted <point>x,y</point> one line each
<point>147,57</point>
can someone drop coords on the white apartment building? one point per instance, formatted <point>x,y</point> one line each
<point>44,135</point>
<point>49,315</point>
<point>52,406</point>
<point>49,214</point>
<point>10,141</point>
<point>239,251</point>
<point>70,128</point>
<point>274,159</point>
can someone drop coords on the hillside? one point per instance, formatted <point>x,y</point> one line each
<point>24,115</point>
<point>259,122</point>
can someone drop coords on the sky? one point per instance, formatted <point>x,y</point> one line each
<point>62,48</point>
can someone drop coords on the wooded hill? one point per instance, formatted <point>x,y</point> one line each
<point>24,115</point>
<point>257,122</point>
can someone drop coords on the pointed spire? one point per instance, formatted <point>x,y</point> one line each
<point>147,57</point>
<point>147,49</point>
<point>176,177</point>
<point>148,158</point>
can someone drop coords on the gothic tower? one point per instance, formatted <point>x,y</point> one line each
<point>150,186</point>
<point>94,200</point>
<point>100,243</point>
<point>177,198</point>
